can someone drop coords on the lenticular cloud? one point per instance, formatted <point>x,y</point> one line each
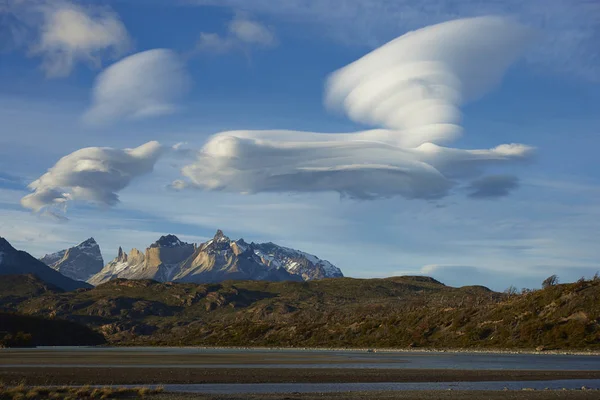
<point>416,83</point>
<point>412,88</point>
<point>93,174</point>
<point>142,85</point>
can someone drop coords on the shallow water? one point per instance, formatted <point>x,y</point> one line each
<point>293,358</point>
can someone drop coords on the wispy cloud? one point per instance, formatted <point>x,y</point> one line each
<point>142,85</point>
<point>242,33</point>
<point>64,33</point>
<point>568,40</point>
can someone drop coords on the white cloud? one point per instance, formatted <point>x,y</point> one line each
<point>93,174</point>
<point>413,86</point>
<point>63,33</point>
<point>242,33</point>
<point>415,83</point>
<point>142,85</point>
<point>251,32</point>
<point>360,165</point>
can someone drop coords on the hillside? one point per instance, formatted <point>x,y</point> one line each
<point>344,312</point>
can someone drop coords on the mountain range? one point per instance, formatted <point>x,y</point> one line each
<point>171,260</point>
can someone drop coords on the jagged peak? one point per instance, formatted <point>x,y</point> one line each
<point>121,255</point>
<point>220,237</point>
<point>168,241</point>
<point>91,242</point>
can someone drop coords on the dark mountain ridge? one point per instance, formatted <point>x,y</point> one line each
<point>13,261</point>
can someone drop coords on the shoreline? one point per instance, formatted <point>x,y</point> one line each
<point>409,395</point>
<point>368,349</point>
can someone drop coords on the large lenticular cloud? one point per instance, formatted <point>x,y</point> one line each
<point>413,87</point>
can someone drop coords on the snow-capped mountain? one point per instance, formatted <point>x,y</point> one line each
<point>160,262</point>
<point>80,262</point>
<point>307,266</point>
<point>222,259</point>
<point>218,259</point>
<point>15,262</point>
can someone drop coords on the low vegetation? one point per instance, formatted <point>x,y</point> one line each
<point>344,312</point>
<point>79,393</point>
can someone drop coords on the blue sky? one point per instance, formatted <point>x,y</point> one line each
<point>256,65</point>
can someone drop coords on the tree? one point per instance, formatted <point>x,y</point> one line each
<point>552,280</point>
<point>511,290</point>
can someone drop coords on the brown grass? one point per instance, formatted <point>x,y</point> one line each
<point>84,392</point>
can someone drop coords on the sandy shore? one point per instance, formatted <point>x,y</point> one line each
<point>147,376</point>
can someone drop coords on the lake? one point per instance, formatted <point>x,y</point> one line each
<point>297,370</point>
<point>289,358</point>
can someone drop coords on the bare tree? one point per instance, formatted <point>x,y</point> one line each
<point>552,280</point>
<point>511,290</point>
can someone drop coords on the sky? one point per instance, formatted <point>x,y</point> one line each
<point>465,150</point>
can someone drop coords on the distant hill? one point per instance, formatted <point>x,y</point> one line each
<point>13,261</point>
<point>417,312</point>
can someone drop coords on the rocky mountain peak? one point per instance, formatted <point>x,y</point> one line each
<point>220,236</point>
<point>78,262</point>
<point>121,255</point>
<point>91,242</point>
<point>168,241</point>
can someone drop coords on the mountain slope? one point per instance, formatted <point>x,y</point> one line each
<point>80,262</point>
<point>13,262</point>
